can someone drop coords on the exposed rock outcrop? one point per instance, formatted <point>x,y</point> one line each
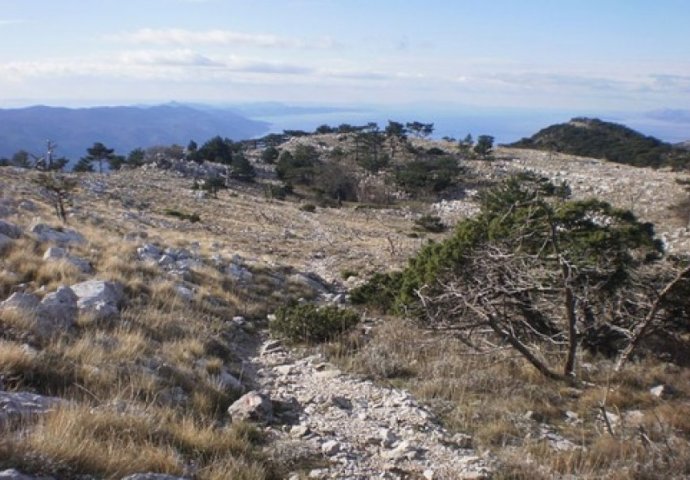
<point>24,406</point>
<point>62,237</point>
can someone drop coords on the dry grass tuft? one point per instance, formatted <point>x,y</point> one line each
<point>104,442</point>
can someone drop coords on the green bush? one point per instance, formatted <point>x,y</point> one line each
<point>347,273</point>
<point>430,223</point>
<point>431,175</point>
<point>192,217</point>
<point>311,323</point>
<point>380,291</point>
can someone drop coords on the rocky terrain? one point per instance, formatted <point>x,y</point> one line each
<point>132,319</point>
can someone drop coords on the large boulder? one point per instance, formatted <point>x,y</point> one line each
<point>99,298</point>
<point>252,406</point>
<point>62,237</point>
<point>25,406</point>
<point>21,301</point>
<point>58,310</point>
<point>56,313</point>
<point>10,230</point>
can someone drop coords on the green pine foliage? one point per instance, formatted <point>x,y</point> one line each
<point>310,323</point>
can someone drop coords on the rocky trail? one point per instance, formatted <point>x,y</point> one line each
<point>358,429</point>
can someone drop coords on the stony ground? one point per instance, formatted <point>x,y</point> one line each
<point>649,194</point>
<point>363,429</point>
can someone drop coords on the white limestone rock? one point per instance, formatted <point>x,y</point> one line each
<point>99,298</point>
<point>252,406</point>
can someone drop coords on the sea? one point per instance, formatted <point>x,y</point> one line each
<point>505,125</point>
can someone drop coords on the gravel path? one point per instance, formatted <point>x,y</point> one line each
<point>360,430</point>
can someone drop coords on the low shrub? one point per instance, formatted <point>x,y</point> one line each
<point>192,217</point>
<point>430,223</point>
<point>380,291</point>
<point>311,323</point>
<point>308,207</point>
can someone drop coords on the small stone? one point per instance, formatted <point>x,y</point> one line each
<point>252,406</point>
<point>429,474</point>
<point>284,370</point>
<point>388,438</point>
<point>341,402</point>
<point>166,261</point>
<point>663,391</point>
<point>330,448</point>
<point>271,346</point>
<point>299,431</point>
<point>571,417</point>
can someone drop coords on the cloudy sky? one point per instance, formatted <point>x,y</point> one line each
<point>599,54</point>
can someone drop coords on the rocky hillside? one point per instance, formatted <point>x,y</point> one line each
<point>595,138</point>
<point>133,339</point>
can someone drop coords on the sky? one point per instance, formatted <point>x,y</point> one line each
<point>627,55</point>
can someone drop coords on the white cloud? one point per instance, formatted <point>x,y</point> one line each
<point>172,65</point>
<point>184,57</point>
<point>177,36</point>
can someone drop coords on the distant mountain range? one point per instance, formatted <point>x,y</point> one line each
<point>121,128</point>
<point>591,137</point>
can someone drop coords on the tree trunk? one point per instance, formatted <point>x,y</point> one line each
<point>571,314</point>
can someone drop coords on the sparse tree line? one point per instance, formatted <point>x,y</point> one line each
<point>100,158</point>
<point>332,175</point>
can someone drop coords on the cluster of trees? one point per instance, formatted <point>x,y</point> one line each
<point>545,275</point>
<point>100,157</point>
<point>304,167</point>
<point>374,149</point>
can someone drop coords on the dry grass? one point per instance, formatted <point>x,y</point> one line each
<point>143,389</point>
<point>105,442</point>
<point>503,403</point>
